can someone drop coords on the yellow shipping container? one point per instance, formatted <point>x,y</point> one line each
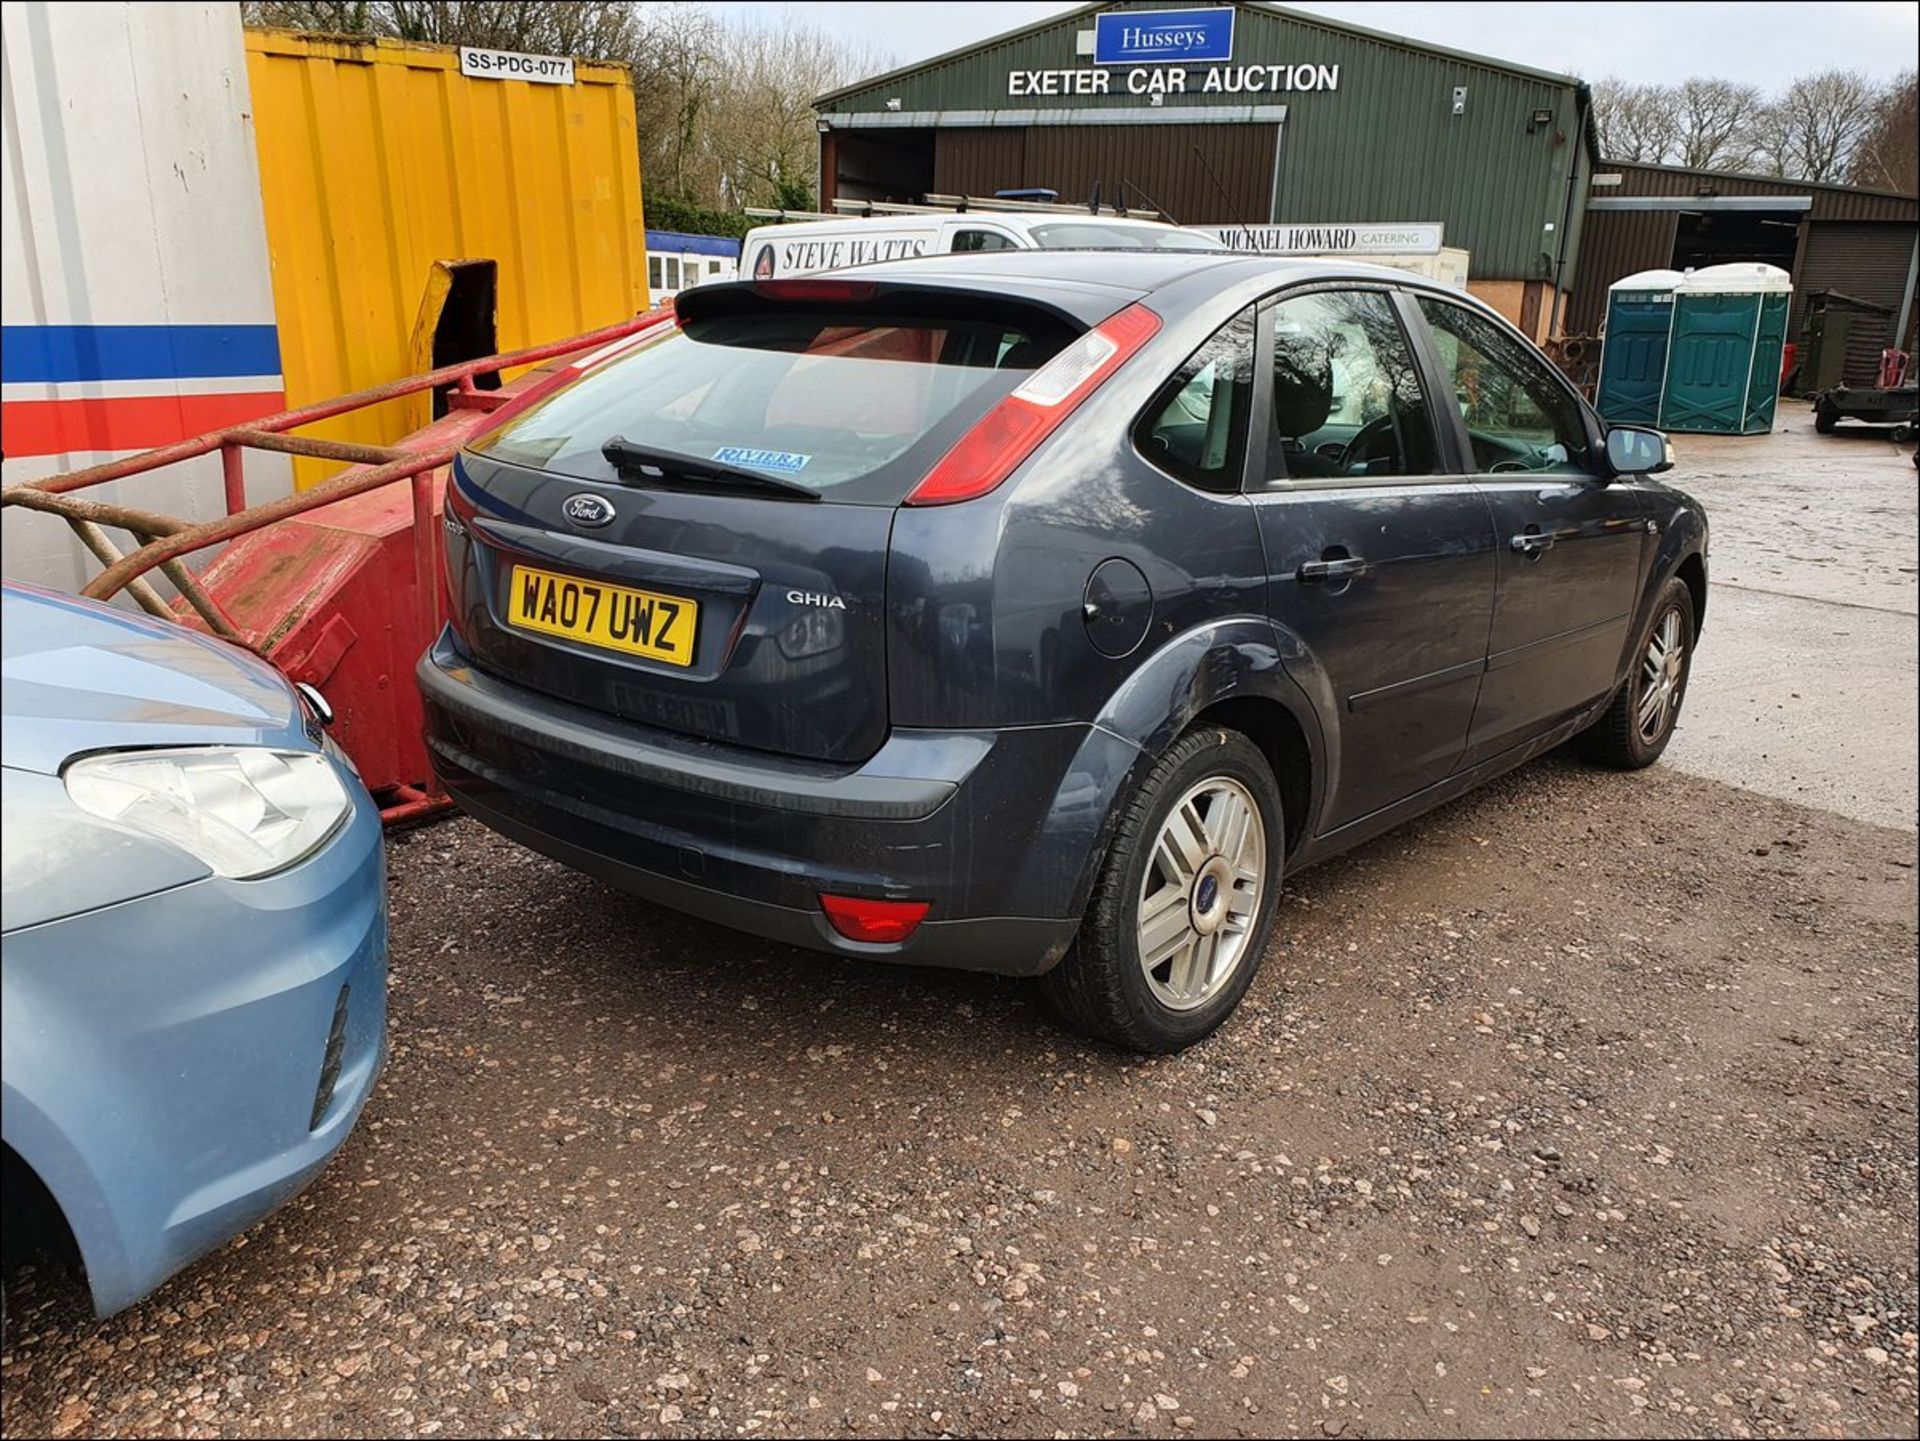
<point>379,162</point>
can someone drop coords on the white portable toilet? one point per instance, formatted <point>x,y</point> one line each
<point>1723,360</point>
<point>1633,353</point>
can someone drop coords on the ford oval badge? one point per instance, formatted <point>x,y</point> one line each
<point>589,510</point>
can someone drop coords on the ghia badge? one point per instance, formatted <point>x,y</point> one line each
<point>589,510</point>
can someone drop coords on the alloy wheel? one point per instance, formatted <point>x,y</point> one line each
<point>1201,894</point>
<point>1662,669</point>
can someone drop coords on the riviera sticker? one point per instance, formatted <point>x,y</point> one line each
<point>781,462</point>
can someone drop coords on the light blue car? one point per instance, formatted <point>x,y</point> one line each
<point>195,944</point>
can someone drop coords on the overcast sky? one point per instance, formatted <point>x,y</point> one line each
<point>1767,44</point>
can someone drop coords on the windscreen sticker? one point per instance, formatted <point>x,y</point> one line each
<point>781,462</point>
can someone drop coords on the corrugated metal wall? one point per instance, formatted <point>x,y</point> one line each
<point>1830,202</point>
<point>1865,236</point>
<point>1384,146</point>
<point>1616,244</point>
<point>1188,171</point>
<point>972,162</point>
<point>1387,147</point>
<point>378,159</point>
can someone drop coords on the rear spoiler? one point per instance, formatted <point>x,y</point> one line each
<point>936,297</point>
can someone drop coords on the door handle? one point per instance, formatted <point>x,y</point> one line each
<point>1532,543</point>
<point>1345,568</point>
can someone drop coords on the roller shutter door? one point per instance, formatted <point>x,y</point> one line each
<point>1866,260</point>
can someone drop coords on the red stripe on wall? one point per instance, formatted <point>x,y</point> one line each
<point>123,422</point>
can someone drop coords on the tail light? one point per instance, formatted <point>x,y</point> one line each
<point>859,918</point>
<point>826,292</point>
<point>1009,433</point>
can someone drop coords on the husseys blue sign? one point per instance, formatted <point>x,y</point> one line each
<point>1149,37</point>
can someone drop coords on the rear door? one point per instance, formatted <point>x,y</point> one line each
<point>695,535</point>
<point>1379,560</point>
<point>1570,545</point>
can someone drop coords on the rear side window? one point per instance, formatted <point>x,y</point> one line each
<point>1196,426</point>
<point>1092,235</point>
<point>1346,398</point>
<point>855,407</point>
<point>981,240</point>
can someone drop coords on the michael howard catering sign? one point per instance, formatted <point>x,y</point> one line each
<point>1146,37</point>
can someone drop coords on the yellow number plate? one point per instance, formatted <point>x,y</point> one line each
<point>614,617</point>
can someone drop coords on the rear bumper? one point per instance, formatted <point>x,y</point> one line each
<point>968,821</point>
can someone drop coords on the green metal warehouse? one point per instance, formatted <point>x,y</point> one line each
<point>1250,116</point>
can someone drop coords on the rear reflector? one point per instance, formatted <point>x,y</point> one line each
<point>860,919</point>
<point>1009,433</point>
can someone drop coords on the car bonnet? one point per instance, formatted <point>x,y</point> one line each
<point>80,677</point>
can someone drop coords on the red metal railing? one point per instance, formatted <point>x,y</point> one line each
<point>164,540</point>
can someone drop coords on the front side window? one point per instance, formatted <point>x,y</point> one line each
<point>1518,416</point>
<point>653,272</point>
<point>1196,427</point>
<point>1347,399</point>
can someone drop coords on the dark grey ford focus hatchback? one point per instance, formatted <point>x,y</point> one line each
<point>1039,612</point>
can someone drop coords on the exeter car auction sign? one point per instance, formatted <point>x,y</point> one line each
<point>1409,239</point>
<point>1169,52</point>
<point>1165,80</point>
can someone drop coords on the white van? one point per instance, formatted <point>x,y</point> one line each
<point>803,247</point>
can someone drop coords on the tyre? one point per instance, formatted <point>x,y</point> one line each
<point>1825,417</point>
<point>1184,902</point>
<point>1638,724</point>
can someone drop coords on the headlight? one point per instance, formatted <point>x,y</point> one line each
<point>243,810</point>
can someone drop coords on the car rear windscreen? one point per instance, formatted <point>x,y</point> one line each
<point>855,406</point>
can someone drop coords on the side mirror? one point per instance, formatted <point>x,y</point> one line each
<point>1633,451</point>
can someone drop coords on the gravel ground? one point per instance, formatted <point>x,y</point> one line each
<point>1586,1104</point>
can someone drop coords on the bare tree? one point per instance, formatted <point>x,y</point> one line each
<point>676,73</point>
<point>331,17</point>
<point>1889,156</point>
<point>764,139</point>
<point>1713,119</point>
<point>1638,123</point>
<point>1813,130</point>
<point>591,29</point>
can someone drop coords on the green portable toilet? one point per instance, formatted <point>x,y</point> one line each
<point>1633,352</point>
<point>1723,361</point>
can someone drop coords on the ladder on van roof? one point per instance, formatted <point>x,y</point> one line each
<point>849,209</point>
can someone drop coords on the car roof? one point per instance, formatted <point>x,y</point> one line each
<point>1139,271</point>
<point>1020,221</point>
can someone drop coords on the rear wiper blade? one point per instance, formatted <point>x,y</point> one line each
<point>651,461</point>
